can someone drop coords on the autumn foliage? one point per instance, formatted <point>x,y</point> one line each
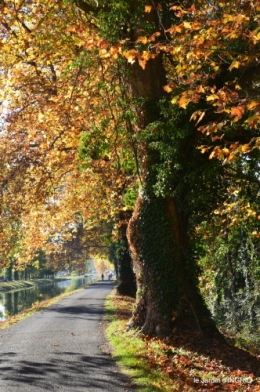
<point>114,104</point>
<point>98,100</point>
<point>52,95</point>
<point>60,82</point>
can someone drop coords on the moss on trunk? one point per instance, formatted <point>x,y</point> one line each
<point>167,295</point>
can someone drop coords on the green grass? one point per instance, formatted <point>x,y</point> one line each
<point>15,285</point>
<point>174,363</point>
<point>24,284</point>
<point>130,350</point>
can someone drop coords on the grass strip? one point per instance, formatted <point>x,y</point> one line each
<point>15,285</point>
<point>129,349</point>
<point>181,362</point>
<point>24,284</point>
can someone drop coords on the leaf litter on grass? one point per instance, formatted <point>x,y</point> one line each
<point>189,362</point>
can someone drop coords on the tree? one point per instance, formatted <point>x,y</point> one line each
<point>230,263</point>
<point>131,93</point>
<point>168,192</point>
<point>158,230</point>
<point>119,254</point>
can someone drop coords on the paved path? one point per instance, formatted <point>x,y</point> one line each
<point>58,349</point>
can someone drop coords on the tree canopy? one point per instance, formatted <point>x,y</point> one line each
<point>111,104</point>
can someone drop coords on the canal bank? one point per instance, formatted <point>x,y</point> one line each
<point>24,284</point>
<point>27,297</point>
<point>35,308</point>
<point>15,285</point>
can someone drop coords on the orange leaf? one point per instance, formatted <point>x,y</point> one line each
<point>183,102</point>
<point>148,8</point>
<point>131,55</point>
<point>153,36</point>
<point>142,63</point>
<point>231,158</point>
<point>252,105</point>
<point>200,89</point>
<point>193,8</point>
<point>237,112</point>
<point>167,88</point>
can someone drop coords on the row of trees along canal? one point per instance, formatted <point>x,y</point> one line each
<point>39,268</point>
<point>71,258</point>
<point>139,121</point>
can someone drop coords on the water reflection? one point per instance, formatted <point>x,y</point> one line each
<point>15,302</point>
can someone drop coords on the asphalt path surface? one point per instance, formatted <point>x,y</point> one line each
<point>61,348</point>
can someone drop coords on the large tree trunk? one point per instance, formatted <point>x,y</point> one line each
<point>168,296</point>
<point>165,270</point>
<point>158,230</point>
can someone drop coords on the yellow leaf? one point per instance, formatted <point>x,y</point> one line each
<point>235,64</point>
<point>246,148</point>
<point>212,97</point>
<point>148,8</point>
<point>225,151</point>
<point>142,39</point>
<point>187,25</point>
<point>215,153</point>
<point>195,115</point>
<point>147,55</point>
<point>204,149</point>
<point>175,99</point>
<point>40,117</point>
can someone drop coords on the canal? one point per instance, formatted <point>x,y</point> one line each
<point>15,302</point>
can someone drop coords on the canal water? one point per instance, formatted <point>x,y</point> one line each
<point>16,301</point>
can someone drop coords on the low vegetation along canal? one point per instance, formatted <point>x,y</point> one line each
<point>14,302</point>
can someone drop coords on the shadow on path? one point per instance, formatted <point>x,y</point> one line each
<point>69,371</point>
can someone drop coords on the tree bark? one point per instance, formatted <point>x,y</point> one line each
<point>126,276</point>
<point>168,296</point>
<point>166,273</point>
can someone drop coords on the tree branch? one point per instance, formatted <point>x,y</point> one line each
<point>88,8</point>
